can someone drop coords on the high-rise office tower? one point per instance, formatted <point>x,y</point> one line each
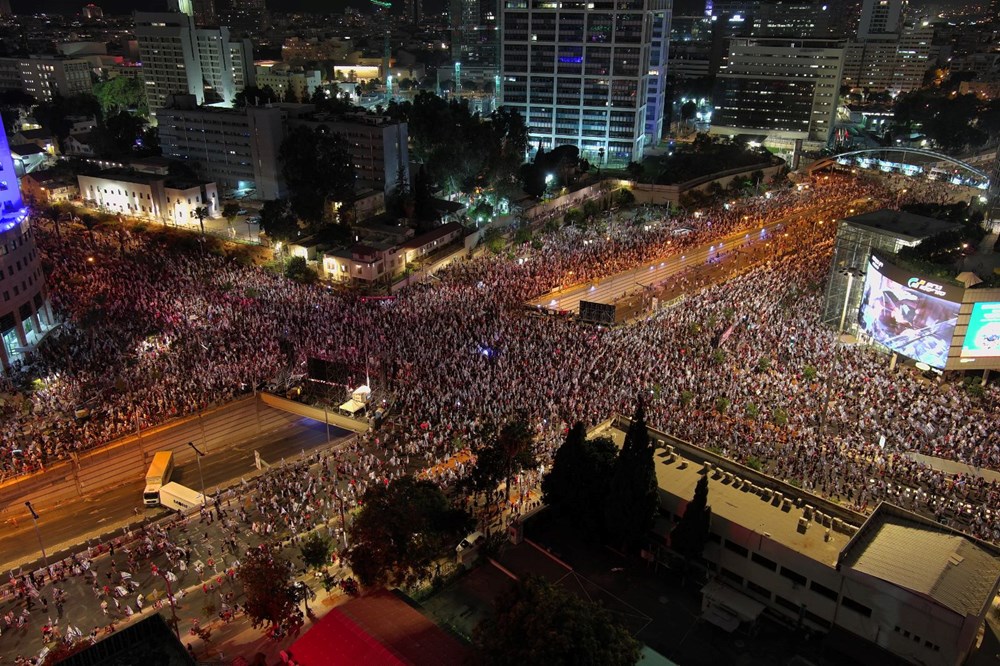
<point>170,64</point>
<point>246,16</point>
<point>783,88</point>
<point>25,314</point>
<point>890,53</point>
<point>879,17</point>
<point>202,11</point>
<point>413,11</point>
<point>178,58</point>
<point>579,72</point>
<point>475,33</point>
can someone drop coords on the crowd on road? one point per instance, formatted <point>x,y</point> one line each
<point>150,335</point>
<point>192,563</point>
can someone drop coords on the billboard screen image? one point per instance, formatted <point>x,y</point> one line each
<point>909,314</point>
<point>983,337</point>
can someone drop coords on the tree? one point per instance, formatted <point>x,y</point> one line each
<point>516,448</point>
<point>299,270</point>
<point>201,212</point>
<point>690,535</point>
<point>632,499</point>
<point>122,93</point>
<point>539,623</point>
<point>399,532</point>
<point>318,170</point>
<point>577,485</point>
<point>231,211</point>
<point>634,171</point>
<point>267,585</point>
<point>315,550</point>
<point>278,221</point>
<point>254,96</point>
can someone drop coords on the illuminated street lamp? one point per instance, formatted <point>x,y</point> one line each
<point>34,518</point>
<point>198,458</point>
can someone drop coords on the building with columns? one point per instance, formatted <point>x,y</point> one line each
<point>25,313</point>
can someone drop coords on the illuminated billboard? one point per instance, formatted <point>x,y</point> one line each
<point>982,339</point>
<point>909,314</point>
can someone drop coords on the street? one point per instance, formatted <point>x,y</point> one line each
<point>74,522</point>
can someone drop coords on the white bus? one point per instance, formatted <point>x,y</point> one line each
<point>175,496</point>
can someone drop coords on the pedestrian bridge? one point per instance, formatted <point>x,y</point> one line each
<point>913,162</point>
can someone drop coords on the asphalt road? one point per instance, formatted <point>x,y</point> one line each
<point>652,274</point>
<point>74,522</point>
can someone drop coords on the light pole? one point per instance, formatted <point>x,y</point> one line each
<point>170,598</point>
<point>38,533</point>
<point>198,456</point>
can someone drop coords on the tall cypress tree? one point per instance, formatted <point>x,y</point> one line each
<point>632,500</point>
<point>691,533</point>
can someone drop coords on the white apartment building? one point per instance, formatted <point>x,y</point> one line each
<point>282,77</point>
<point>892,579</point>
<point>152,197</point>
<point>784,88</point>
<point>44,77</point>
<point>379,147</point>
<point>579,72</point>
<point>371,261</point>
<point>236,148</point>
<point>178,58</point>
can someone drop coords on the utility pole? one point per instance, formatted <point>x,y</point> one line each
<point>38,533</point>
<point>202,476</point>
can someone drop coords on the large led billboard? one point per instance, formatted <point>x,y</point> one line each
<point>982,339</point>
<point>909,314</point>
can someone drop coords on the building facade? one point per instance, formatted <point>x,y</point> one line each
<point>25,314</point>
<point>893,579</point>
<point>178,58</point>
<point>151,197</point>
<point>235,148</point>
<point>44,77</point>
<point>379,147</point>
<point>786,89</point>
<point>579,72</point>
<point>283,78</point>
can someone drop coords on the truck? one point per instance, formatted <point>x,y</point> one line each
<point>158,474</point>
<point>175,496</point>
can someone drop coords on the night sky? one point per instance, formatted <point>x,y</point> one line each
<point>127,6</point>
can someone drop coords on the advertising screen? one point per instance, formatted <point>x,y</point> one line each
<point>910,315</point>
<point>982,339</point>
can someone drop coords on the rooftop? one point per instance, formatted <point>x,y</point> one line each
<point>907,226</point>
<point>751,510</point>
<point>753,502</point>
<point>378,628</point>
<point>916,554</point>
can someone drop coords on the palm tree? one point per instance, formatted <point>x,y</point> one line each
<point>201,212</point>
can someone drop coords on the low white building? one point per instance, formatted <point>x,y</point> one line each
<point>893,580</point>
<point>282,77</point>
<point>148,196</point>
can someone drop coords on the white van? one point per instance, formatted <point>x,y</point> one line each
<point>175,496</point>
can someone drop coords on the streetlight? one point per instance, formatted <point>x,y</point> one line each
<point>170,598</point>
<point>34,518</point>
<point>198,458</point>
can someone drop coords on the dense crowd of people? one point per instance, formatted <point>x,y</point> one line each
<point>150,335</point>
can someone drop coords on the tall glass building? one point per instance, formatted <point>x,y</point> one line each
<point>25,314</point>
<point>587,73</point>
